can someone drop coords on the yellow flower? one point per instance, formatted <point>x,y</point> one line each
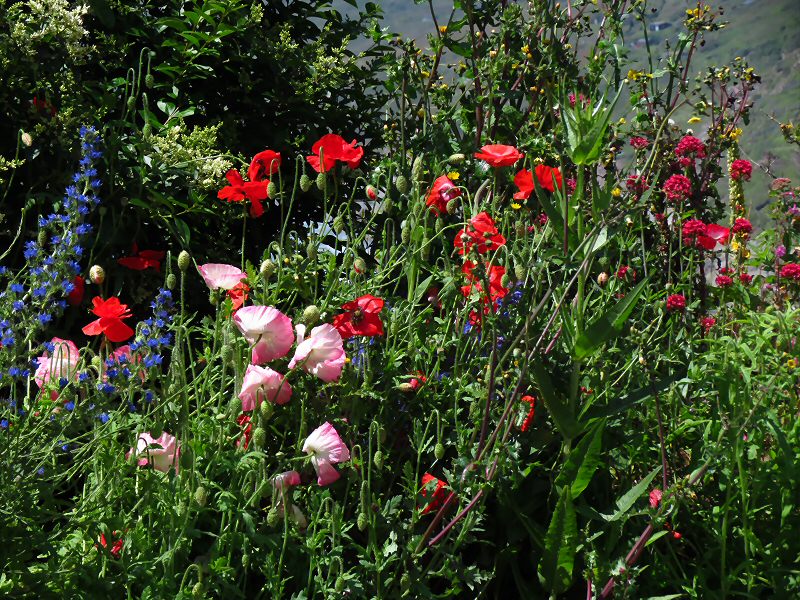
<point>526,49</point>
<point>695,120</point>
<point>616,192</point>
<point>443,29</point>
<point>516,205</point>
<point>792,363</point>
<point>735,246</point>
<point>453,175</point>
<point>735,134</point>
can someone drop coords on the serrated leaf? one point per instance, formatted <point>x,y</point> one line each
<point>582,461</point>
<point>560,544</point>
<point>609,325</point>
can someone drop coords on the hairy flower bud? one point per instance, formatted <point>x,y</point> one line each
<point>172,281</point>
<point>405,387</point>
<point>438,451</point>
<point>201,496</point>
<point>416,170</point>
<point>259,435</point>
<point>372,193</point>
<point>97,274</point>
<point>505,280</point>
<point>455,159</point>
<point>267,269</point>
<point>311,250</point>
<point>401,183</point>
<point>362,521</point>
<point>520,272</point>
<point>310,315</point>
<point>149,80</point>
<point>147,132</point>
<point>602,279</point>
<point>451,206</point>
<point>272,190</point>
<point>305,182</point>
<point>377,460</point>
<point>338,224</point>
<point>26,139</point>
<point>184,260</point>
<point>265,409</point>
<point>226,352</point>
<point>273,516</point>
<point>41,239</point>
<point>321,182</point>
<point>131,103</point>
<point>197,591</point>
<point>405,234</point>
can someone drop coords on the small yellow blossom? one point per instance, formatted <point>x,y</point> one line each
<point>735,134</point>
<point>695,119</point>
<point>792,363</point>
<point>526,49</point>
<point>453,175</point>
<point>616,192</point>
<point>516,205</point>
<point>443,29</point>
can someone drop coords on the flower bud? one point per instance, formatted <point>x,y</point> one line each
<point>26,139</point>
<point>272,190</point>
<point>602,279</point>
<point>97,274</point>
<point>273,516</point>
<point>235,407</point>
<point>149,81</point>
<point>451,207</point>
<point>388,206</point>
<point>338,224</point>
<point>401,183</point>
<point>197,591</point>
<point>311,250</point>
<point>259,435</point>
<point>347,261</point>
<point>184,260</point>
<point>377,460</point>
<point>362,521</point>
<point>405,234</point>
<point>439,225</point>
<point>147,131</point>
<point>364,496</point>
<point>519,229</point>
<point>267,269</point>
<point>321,182</point>
<point>172,281</point>
<point>416,170</point>
<point>226,352</point>
<point>201,496</point>
<point>310,315</point>
<point>505,280</point>
<point>265,409</point>
<point>520,272</point>
<point>131,103</point>
<point>372,193</point>
<point>455,159</point>
<point>41,239</point>
<point>405,387</point>
<point>438,451</point>
<point>305,182</point>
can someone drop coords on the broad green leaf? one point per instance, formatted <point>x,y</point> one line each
<point>560,544</point>
<point>555,403</point>
<point>582,461</point>
<point>609,325</point>
<point>625,503</point>
<point>623,403</point>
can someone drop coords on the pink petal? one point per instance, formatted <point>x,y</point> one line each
<point>268,328</point>
<point>221,276</point>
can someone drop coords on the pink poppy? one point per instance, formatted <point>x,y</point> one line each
<point>267,329</point>
<point>220,276</point>
<point>262,383</point>
<point>326,449</point>
<point>162,452</point>
<point>286,480</point>
<point>321,353</point>
<point>61,364</point>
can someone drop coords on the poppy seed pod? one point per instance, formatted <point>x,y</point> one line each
<point>321,181</point>
<point>401,183</point>
<point>184,260</point>
<point>97,274</point>
<point>305,182</point>
<point>310,315</point>
<point>267,269</point>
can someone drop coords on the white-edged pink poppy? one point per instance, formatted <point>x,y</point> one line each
<point>321,353</point>
<point>262,383</point>
<point>326,449</point>
<point>220,276</point>
<point>267,329</point>
<point>162,452</point>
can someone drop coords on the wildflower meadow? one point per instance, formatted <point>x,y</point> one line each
<point>296,306</point>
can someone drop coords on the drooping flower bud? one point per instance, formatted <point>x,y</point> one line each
<point>272,190</point>
<point>149,80</point>
<point>338,224</point>
<point>273,516</point>
<point>377,460</point>
<point>505,280</point>
<point>401,183</point>
<point>310,315</point>
<point>201,496</point>
<point>311,250</point>
<point>265,409</point>
<point>267,269</point>
<point>41,238</point>
<point>259,435</point>
<point>172,281</point>
<point>97,274</point>
<point>372,193</point>
<point>416,170</point>
<point>362,521</point>
<point>360,265</point>
<point>305,182</point>
<point>455,159</point>
<point>321,181</point>
<point>234,407</point>
<point>131,103</point>
<point>26,139</point>
<point>520,272</point>
<point>184,260</point>
<point>602,279</point>
<point>405,234</point>
<point>451,206</point>
<point>438,451</point>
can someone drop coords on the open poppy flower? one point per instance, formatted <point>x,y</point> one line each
<point>321,353</point>
<point>142,259</point>
<point>332,148</point>
<point>699,235</point>
<point>441,193</point>
<point>221,276</point>
<point>240,190</point>
<point>111,313</point>
<point>238,295</point>
<point>499,155</point>
<point>75,297</point>
<point>495,277</point>
<point>481,233</point>
<point>434,490</point>
<point>264,165</point>
<point>326,449</point>
<point>361,317</point>
<point>544,175</point>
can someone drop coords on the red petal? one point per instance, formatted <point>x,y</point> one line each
<point>234,177</point>
<point>718,232</point>
<point>93,328</point>
<point>133,262</point>
<point>116,330</point>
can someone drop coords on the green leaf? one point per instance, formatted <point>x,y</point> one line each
<point>555,403</point>
<point>628,401</point>
<point>625,503</point>
<point>609,325</point>
<point>560,544</point>
<point>582,461</point>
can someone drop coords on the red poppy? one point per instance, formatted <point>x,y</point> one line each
<point>111,313</point>
<point>417,381</point>
<point>499,155</point>
<point>143,259</point>
<point>247,431</point>
<point>333,148</point>
<point>361,317</point>
<point>441,193</point>
<point>238,295</point>
<point>75,297</point>
<point>240,190</point>
<point>496,288</point>
<point>531,402</point>
<point>116,548</point>
<point>480,232</point>
<point>264,165</point>
<point>436,490</point>
<point>544,174</point>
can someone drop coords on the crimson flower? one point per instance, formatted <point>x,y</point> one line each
<point>361,317</point>
<point>499,155</point>
<point>332,148</point>
<point>111,313</point>
<point>742,226</point>
<point>441,193</point>
<point>75,297</point>
<point>544,175</point>
<point>481,233</point>
<point>791,271</point>
<point>746,278</point>
<point>238,295</point>
<point>639,142</point>
<point>531,402</point>
<point>435,491</point>
<point>690,146</point>
<point>676,303</point>
<point>247,430</point>
<point>741,170</point>
<point>116,548</point>
<point>142,259</point>
<point>707,323</point>
<point>724,281</point>
<point>240,190</point>
<point>494,275</point>
<point>264,165</point>
<point>677,188</point>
